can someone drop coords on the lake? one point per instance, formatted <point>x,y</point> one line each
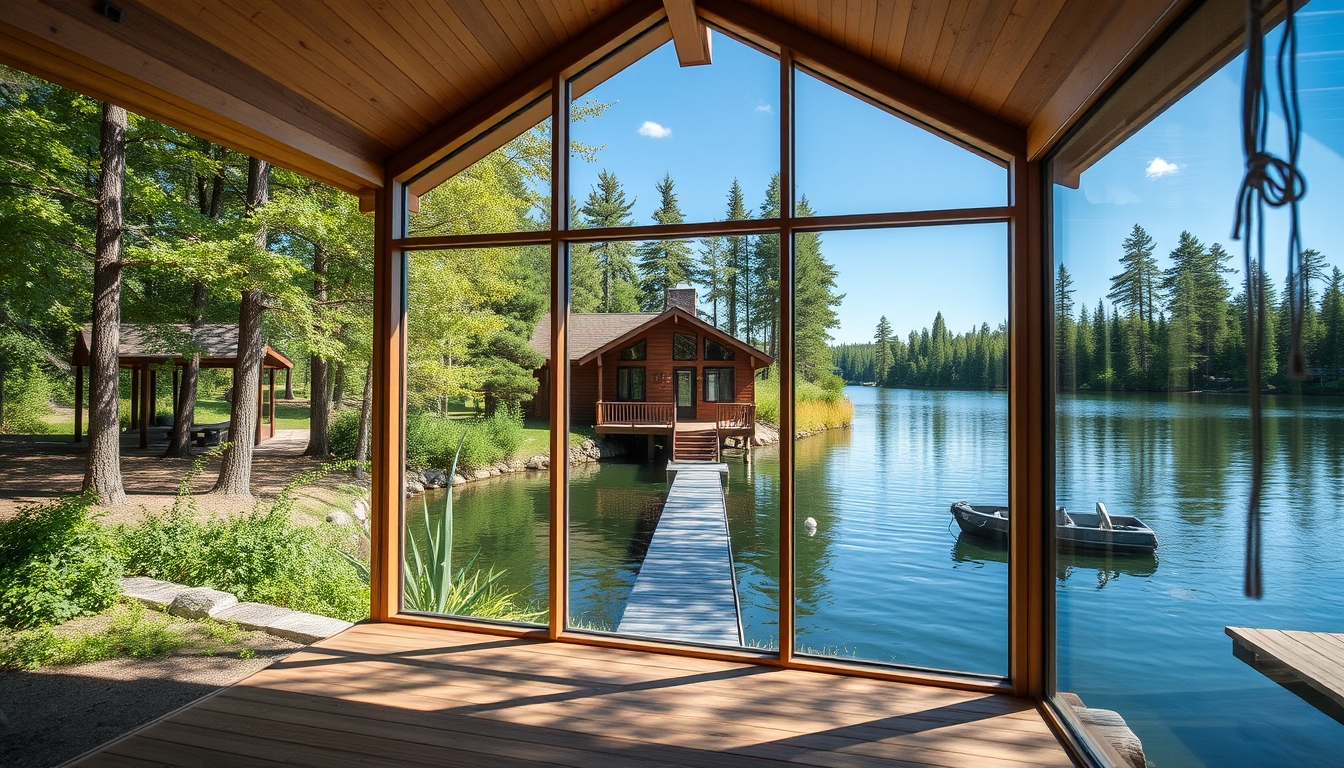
<point>886,577</point>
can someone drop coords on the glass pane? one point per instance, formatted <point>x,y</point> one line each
<point>661,143</point>
<point>687,554</point>
<point>501,182</point>
<point>683,347</point>
<point>902,414</point>
<point>477,433</point>
<point>1152,422</point>
<point>853,157</point>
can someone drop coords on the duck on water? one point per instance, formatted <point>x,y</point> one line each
<point>1098,531</point>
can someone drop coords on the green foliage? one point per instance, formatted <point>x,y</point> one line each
<point>133,632</point>
<point>430,438</point>
<point>932,357</point>
<point>56,562</point>
<point>830,391</point>
<point>260,556</point>
<point>664,263</point>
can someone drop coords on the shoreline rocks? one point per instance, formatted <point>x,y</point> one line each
<point>588,452</point>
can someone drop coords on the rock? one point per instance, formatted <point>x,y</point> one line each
<point>338,517</point>
<point>480,474</point>
<point>810,526</point>
<point>414,487</point>
<point>200,603</point>
<point>361,510</point>
<point>517,466</point>
<point>151,592</point>
<point>460,478</point>
<point>538,462</point>
<point>501,466</point>
<point>495,472</point>
<point>765,434</point>
<point>253,616</point>
<point>306,627</point>
<point>435,478</point>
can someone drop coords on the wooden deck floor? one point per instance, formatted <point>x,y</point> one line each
<point>1310,664</point>
<point>384,695</point>
<point>685,589</point>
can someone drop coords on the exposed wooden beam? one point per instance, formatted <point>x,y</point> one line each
<point>164,72</point>
<point>977,130</point>
<point>1128,34</point>
<point>689,33</point>
<point>523,89</point>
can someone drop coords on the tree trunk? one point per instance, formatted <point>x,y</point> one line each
<point>289,383</point>
<point>102,471</point>
<point>365,424</point>
<point>184,410</point>
<point>338,385</point>
<point>235,475</point>
<point>319,408</point>
<point>319,388</point>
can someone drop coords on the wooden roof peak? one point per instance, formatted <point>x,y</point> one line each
<point>157,343</point>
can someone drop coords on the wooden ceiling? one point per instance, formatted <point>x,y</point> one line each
<point>335,88</point>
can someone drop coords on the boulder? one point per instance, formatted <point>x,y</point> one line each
<point>338,517</point>
<point>538,462</point>
<point>480,474</point>
<point>435,478</point>
<point>361,510</point>
<point>459,479</point>
<point>414,487</point>
<point>201,602</point>
<point>151,592</point>
<point>517,466</point>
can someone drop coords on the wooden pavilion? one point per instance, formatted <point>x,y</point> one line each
<point>386,100</point>
<point>148,349</point>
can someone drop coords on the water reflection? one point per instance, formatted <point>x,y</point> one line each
<point>1068,564</point>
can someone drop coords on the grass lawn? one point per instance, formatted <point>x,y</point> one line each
<point>537,438</point>
<point>288,415</point>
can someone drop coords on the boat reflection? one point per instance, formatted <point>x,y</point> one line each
<point>1108,568</point>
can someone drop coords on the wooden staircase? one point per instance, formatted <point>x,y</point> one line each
<point>696,446</point>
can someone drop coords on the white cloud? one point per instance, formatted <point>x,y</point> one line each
<point>654,130</point>
<point>763,107</point>
<point>1157,168</point>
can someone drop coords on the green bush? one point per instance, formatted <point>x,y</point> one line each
<point>132,632</point>
<point>56,562</point>
<point>829,390</point>
<point>431,439</point>
<point>28,393</point>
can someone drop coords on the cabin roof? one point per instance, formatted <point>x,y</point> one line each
<point>161,342</point>
<point>598,333</point>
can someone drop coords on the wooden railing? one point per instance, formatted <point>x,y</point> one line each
<point>735,415</point>
<point>644,414</point>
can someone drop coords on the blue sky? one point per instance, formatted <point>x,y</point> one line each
<point>709,125</point>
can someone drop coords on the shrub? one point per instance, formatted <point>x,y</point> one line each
<point>27,401</point>
<point>343,433</point>
<point>431,439</point>
<point>820,405</point>
<point>56,562</point>
<point>132,632</point>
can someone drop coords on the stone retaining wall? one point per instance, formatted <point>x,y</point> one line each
<point>204,603</point>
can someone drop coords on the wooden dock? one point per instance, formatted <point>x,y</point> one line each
<point>1310,664</point>
<point>685,589</point>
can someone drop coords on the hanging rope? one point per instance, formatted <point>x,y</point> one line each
<point>1275,182</point>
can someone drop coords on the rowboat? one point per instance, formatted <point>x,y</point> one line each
<point>1098,531</point>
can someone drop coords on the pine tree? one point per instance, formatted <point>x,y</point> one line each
<point>1065,362</point>
<point>737,273</point>
<point>606,206</point>
<point>710,274</point>
<point>664,263</point>
<point>882,351</point>
<point>765,275</point>
<point>1330,354</point>
<point>1135,291</point>
<point>815,302</point>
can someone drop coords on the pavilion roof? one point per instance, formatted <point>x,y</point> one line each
<point>161,342</point>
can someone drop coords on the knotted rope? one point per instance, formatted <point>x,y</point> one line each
<point>1275,182</point>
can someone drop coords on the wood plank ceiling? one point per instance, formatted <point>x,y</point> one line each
<point>333,88</point>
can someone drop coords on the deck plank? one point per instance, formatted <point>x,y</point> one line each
<point>388,695</point>
<point>1313,659</point>
<point>686,590</point>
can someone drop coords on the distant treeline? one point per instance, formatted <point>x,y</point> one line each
<point>977,359</point>
<point>1183,328</point>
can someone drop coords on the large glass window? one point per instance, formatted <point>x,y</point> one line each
<point>476,526</point>
<point>902,419</point>
<point>1157,648</point>
<point>719,385</point>
<point>630,382</point>
<point>683,347</point>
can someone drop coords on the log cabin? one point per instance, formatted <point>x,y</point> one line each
<point>660,375</point>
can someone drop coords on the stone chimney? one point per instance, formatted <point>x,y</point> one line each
<point>682,297</point>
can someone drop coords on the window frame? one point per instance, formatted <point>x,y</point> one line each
<point>629,371</point>
<point>718,376</point>
<point>695,348</point>
<point>635,357</point>
<point>1028,586</point>
<point>725,348</point>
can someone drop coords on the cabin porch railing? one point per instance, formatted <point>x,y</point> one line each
<point>730,416</point>
<point>643,414</point>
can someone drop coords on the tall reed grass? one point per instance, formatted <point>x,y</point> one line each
<point>819,405</point>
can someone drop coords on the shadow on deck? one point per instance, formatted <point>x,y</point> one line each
<point>404,696</point>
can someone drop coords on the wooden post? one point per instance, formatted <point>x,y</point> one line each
<point>261,402</point>
<point>786,358</point>
<point>144,407</point>
<point>387,441</point>
<point>79,403</point>
<point>135,395</point>
<point>153,395</point>
<point>272,402</point>
<point>559,467</point>
<point>177,390</point>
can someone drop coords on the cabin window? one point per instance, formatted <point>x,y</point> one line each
<point>719,385</point>
<point>636,351</point>
<point>683,347</point>
<point>716,351</point>
<point>630,382</point>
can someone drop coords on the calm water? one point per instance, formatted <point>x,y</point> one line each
<point>885,577</point>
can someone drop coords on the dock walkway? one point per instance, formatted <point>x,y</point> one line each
<point>685,589</point>
<point>1310,664</point>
